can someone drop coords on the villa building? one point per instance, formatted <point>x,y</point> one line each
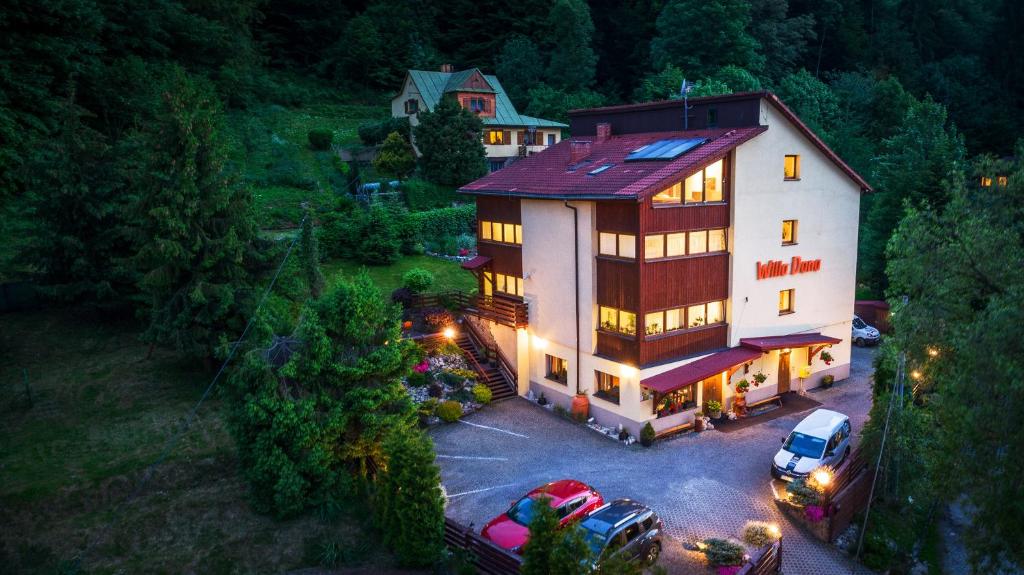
<point>508,135</point>
<point>654,261</point>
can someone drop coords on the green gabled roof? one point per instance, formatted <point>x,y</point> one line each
<point>433,85</point>
<point>456,79</point>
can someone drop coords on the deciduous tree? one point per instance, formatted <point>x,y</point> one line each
<point>701,36</point>
<point>572,63</point>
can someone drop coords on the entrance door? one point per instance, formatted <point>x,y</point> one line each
<point>712,389</point>
<point>783,372</point>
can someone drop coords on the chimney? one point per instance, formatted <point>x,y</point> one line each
<point>446,68</point>
<point>604,131</point>
<point>578,150</point>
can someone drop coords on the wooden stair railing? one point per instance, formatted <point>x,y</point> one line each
<point>504,384</point>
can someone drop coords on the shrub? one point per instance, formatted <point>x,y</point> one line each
<point>395,157</point>
<point>374,133</point>
<point>828,380</point>
<point>417,379</point>
<point>449,411</point>
<point>320,139</point>
<point>443,222</point>
<point>436,390</point>
<point>426,409</point>
<point>417,280</point>
<point>381,242</point>
<point>422,195</point>
<point>561,411</point>
<point>438,318</point>
<point>410,506</point>
<point>449,348</point>
<point>647,435</point>
<point>464,373</point>
<point>722,552</point>
<point>402,296</point>
<point>800,493</point>
<point>453,380</point>
<point>759,533</point>
<point>481,393</point>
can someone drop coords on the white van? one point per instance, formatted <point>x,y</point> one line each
<point>862,333</point>
<point>822,438</point>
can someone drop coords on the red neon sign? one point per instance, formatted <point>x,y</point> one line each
<point>776,268</point>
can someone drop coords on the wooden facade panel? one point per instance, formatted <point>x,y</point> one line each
<point>675,283</point>
<point>506,259</point>
<point>618,284</point>
<point>621,217</point>
<point>670,347</point>
<point>618,348</point>
<point>668,116</point>
<point>498,209</point>
<point>685,218</point>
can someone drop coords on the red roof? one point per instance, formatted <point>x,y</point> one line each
<point>703,368</point>
<point>783,341</point>
<point>477,262</point>
<point>551,174</point>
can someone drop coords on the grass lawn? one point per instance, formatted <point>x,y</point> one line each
<point>447,275</point>
<point>271,147</point>
<point>102,412</point>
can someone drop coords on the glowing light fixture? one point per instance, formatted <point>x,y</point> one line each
<point>540,343</point>
<point>821,478</point>
<point>449,333</point>
<point>628,371</point>
<point>933,352</point>
<point>774,531</point>
<point>915,374</point>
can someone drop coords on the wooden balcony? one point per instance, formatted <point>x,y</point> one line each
<point>507,311</point>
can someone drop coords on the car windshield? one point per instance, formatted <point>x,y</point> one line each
<point>859,323</point>
<point>594,540</point>
<point>522,512</point>
<point>804,445</point>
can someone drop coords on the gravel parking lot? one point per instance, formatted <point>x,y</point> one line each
<point>702,485</point>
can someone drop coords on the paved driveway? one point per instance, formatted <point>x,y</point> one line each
<point>702,485</point>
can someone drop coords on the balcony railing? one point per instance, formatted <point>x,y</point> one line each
<point>505,311</point>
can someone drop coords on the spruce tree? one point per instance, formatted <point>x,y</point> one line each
<point>309,253</point>
<point>544,538</point>
<point>572,555</point>
<point>409,504</point>
<point>193,224</point>
<point>572,56</point>
<point>395,157</point>
<point>450,140</point>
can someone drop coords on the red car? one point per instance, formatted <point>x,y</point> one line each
<point>571,499</point>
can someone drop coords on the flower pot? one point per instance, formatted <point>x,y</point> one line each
<point>698,424</point>
<point>715,414</point>
<point>580,407</point>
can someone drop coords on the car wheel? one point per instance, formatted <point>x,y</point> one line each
<point>859,342</point>
<point>653,552</point>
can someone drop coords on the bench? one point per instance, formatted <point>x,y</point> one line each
<point>772,399</point>
<point>673,430</point>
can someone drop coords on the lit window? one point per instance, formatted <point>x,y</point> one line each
<point>716,312</point>
<point>698,242</point>
<point>654,247</point>
<point>696,316</point>
<point>676,244</point>
<point>654,323</point>
<point>519,234</point>
<point>608,244</point>
<point>1002,180</point>
<point>986,182</point>
<point>485,230</point>
<point>609,318</point>
<point>627,322</point>
<point>695,188</point>
<point>557,369</point>
<point>673,319</point>
<point>716,240</point>
<point>499,137</point>
<point>670,195</point>
<point>488,284</point>
<point>786,301</point>
<point>500,286</point>
<point>496,232</point>
<point>519,287</point>
<point>788,232</point>
<point>713,182</point>
<point>792,167</point>
<point>510,233</point>
<point>627,246</point>
<point>607,386</point>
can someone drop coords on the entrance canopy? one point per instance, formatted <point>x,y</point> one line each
<point>476,263</point>
<point>703,368</point>
<point>765,344</point>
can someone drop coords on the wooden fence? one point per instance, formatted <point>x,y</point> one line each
<point>488,558</point>
<point>849,498</point>
<point>501,310</point>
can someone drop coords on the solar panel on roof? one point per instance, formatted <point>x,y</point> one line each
<point>665,149</point>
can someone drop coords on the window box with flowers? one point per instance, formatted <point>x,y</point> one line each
<point>759,378</point>
<point>827,358</point>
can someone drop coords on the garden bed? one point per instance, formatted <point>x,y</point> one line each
<point>443,386</point>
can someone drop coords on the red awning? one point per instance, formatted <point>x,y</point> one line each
<point>476,263</point>
<point>703,368</point>
<point>784,341</point>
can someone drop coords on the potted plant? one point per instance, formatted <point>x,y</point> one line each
<point>742,387</point>
<point>542,400</point>
<point>828,380</point>
<point>714,408</point>
<point>759,378</point>
<point>698,421</point>
<point>827,358</point>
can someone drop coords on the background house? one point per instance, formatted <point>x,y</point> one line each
<point>507,133</point>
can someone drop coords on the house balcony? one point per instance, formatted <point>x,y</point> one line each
<point>507,311</point>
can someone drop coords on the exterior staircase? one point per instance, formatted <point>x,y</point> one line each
<point>492,375</point>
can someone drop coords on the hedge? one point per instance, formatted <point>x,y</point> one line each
<point>444,221</point>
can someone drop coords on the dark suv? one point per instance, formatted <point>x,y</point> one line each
<point>623,527</point>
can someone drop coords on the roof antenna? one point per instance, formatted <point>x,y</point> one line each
<point>684,90</point>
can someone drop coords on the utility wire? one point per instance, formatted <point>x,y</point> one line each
<point>174,440</point>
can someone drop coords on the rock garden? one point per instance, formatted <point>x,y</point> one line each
<point>444,387</point>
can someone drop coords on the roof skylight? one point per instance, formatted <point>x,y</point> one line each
<point>599,169</point>
<point>665,149</point>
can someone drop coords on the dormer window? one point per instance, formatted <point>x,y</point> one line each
<point>412,106</point>
<point>478,105</point>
